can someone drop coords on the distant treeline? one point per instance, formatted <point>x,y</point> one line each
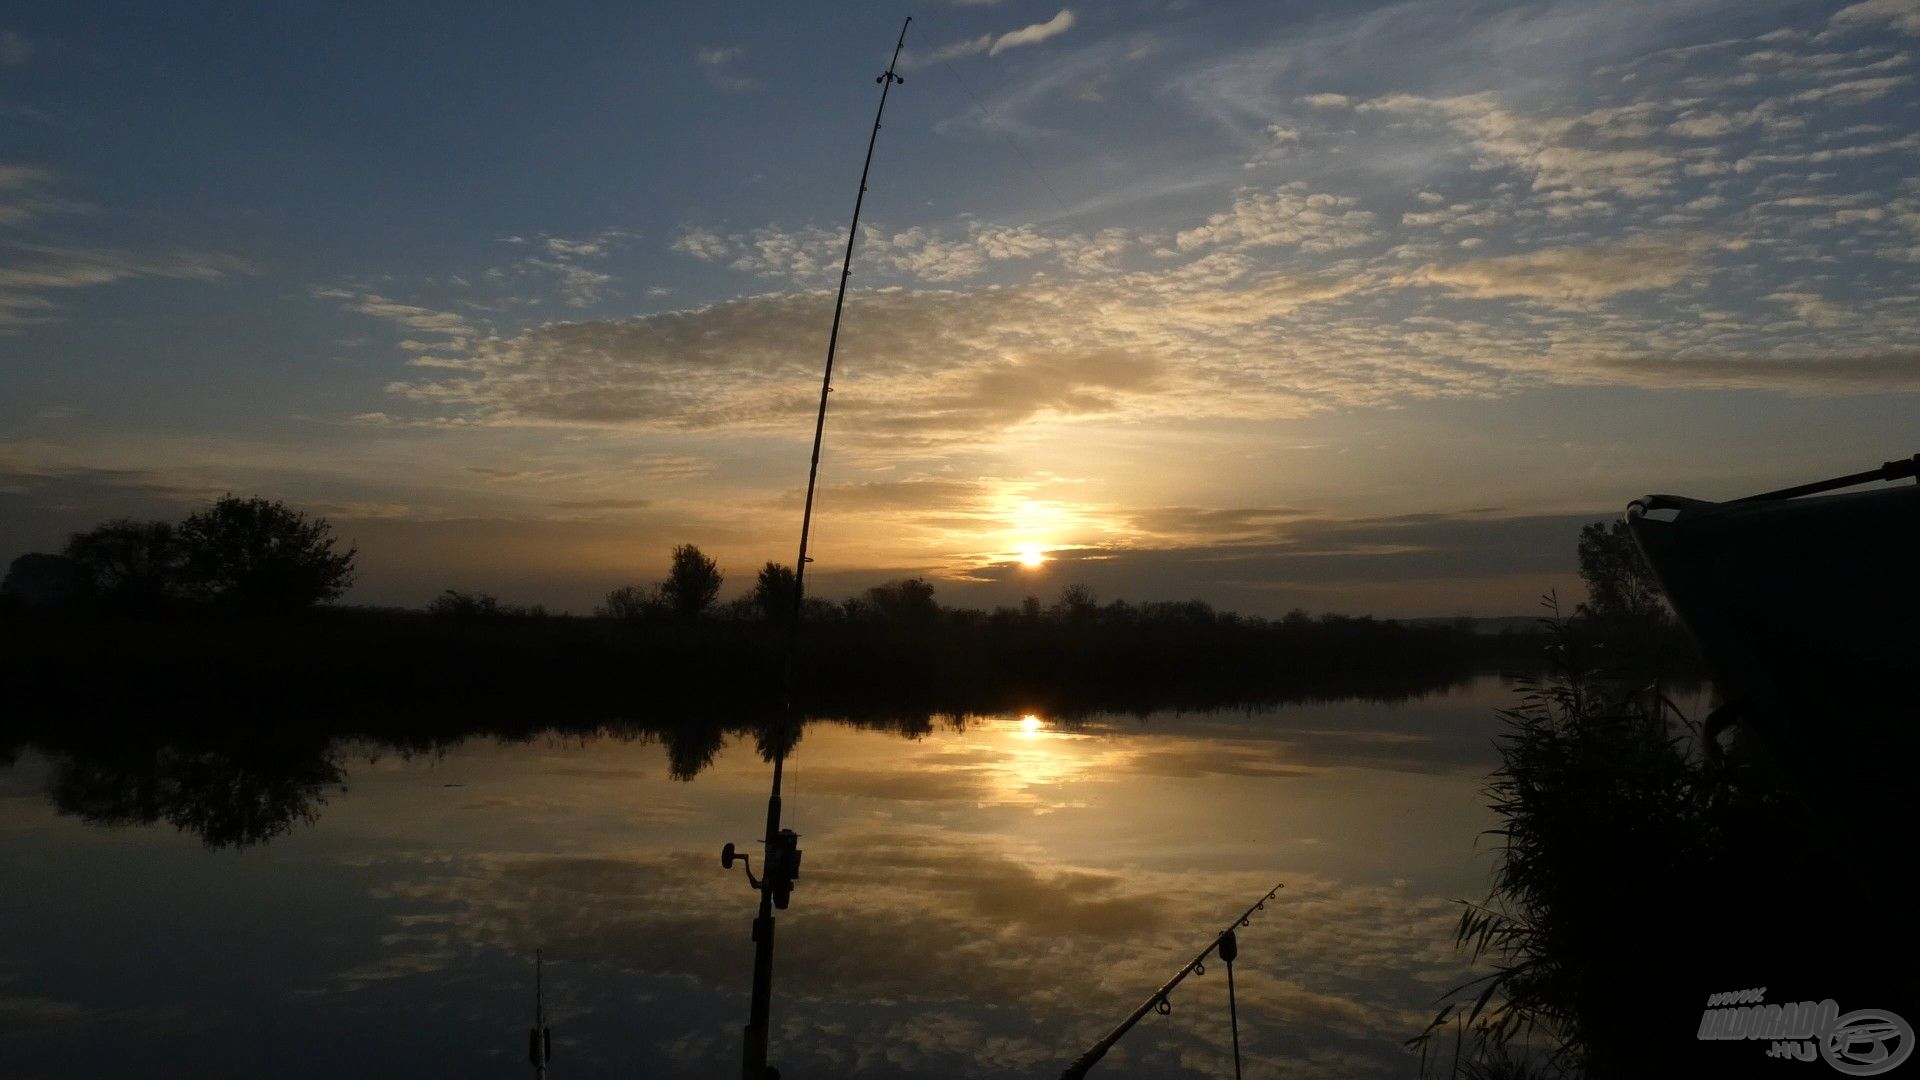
<point>860,662</point>
<point>229,725</point>
<point>226,612</point>
<point>232,728</point>
<point>159,692</point>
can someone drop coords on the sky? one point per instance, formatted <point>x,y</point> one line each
<point>1350,307</point>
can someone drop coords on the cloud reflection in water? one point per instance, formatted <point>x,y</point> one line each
<point>980,901</point>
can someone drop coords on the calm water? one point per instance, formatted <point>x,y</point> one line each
<point>981,901</point>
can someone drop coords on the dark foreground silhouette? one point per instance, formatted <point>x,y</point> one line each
<point>331,670</point>
<point>1709,895</point>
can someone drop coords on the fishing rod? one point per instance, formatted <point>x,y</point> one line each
<point>540,1036</point>
<point>1892,470</point>
<point>780,859</point>
<point>1228,946</point>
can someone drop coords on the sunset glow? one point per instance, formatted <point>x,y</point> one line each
<point>1200,313</point>
<point>533,475</point>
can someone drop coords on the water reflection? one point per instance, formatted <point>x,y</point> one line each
<point>983,897</point>
<point>228,795</point>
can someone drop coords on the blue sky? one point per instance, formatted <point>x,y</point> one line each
<point>1358,307</point>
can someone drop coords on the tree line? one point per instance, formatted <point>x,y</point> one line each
<point>1623,603</point>
<point>259,556</point>
<point>251,555</point>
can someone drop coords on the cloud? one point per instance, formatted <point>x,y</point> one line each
<point>940,364</point>
<point>703,244</point>
<point>811,254</point>
<point>580,286</point>
<point>1034,34</point>
<point>1283,549</point>
<point>600,504</point>
<point>1812,307</point>
<point>715,62</point>
<point>1901,15</point>
<point>1556,152</point>
<point>1643,232</point>
<point>915,494</point>
<point>38,268</point>
<point>44,495</point>
<point>562,264</point>
<point>29,268</point>
<point>930,365</point>
<point>1214,336</point>
<point>407,316</point>
<point>67,484</point>
<point>25,195</point>
<point>1290,216</point>
<point>1214,525</point>
<point>1569,275</point>
<point>1854,91</point>
<point>1896,371</point>
<point>14,49</point>
<point>995,44</point>
<point>75,268</point>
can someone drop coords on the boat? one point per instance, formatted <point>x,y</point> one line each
<point>1805,604</point>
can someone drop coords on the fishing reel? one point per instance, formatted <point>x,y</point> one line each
<point>781,865</point>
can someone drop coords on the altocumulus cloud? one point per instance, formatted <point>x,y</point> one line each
<point>1660,225</point>
<point>1217,337</point>
<point>1571,275</point>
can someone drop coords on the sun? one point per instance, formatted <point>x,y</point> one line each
<point>1031,557</point>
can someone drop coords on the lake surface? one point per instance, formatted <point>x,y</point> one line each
<point>985,900</point>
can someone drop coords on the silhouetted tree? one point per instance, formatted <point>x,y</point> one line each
<point>40,580</point>
<point>1193,612</point>
<point>133,564</point>
<point>906,601</point>
<point>1076,606</point>
<point>1621,588</point>
<point>261,557</point>
<point>692,582</point>
<point>631,602</point>
<point>773,593</point>
<point>455,604</point>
